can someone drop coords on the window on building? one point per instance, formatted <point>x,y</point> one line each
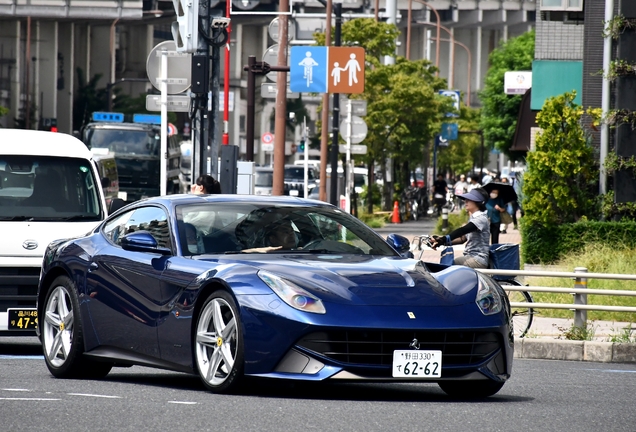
<point>562,5</point>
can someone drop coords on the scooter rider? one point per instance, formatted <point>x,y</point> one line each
<point>476,233</point>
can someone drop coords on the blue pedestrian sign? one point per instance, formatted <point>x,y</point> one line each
<point>308,69</point>
<point>449,131</point>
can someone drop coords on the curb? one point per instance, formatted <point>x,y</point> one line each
<point>603,352</point>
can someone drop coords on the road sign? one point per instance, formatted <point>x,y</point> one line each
<point>179,67</point>
<point>176,103</point>
<point>273,29</point>
<point>456,95</point>
<point>271,57</point>
<point>346,70</point>
<point>172,129</point>
<point>355,149</point>
<point>449,131</point>
<point>358,129</point>
<point>267,138</point>
<point>268,91</point>
<point>308,69</point>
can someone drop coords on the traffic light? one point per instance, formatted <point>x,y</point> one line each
<point>301,146</point>
<point>49,124</point>
<point>185,30</point>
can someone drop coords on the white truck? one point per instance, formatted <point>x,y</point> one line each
<point>49,189</point>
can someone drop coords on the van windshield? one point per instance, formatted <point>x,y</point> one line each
<point>125,142</point>
<point>48,188</point>
<point>264,179</point>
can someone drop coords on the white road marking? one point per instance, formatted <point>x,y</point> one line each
<point>30,399</point>
<point>16,390</point>
<point>94,395</point>
<point>183,402</point>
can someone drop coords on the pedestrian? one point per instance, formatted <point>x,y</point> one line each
<point>496,207</point>
<point>440,188</point>
<point>461,187</point>
<point>476,233</point>
<point>206,184</point>
<point>472,183</point>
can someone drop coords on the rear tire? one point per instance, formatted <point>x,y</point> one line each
<point>521,316</point>
<point>62,334</point>
<point>470,389</point>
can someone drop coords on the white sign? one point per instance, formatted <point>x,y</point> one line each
<point>179,67</point>
<point>517,82</point>
<point>176,103</point>
<point>355,149</point>
<point>269,90</point>
<point>358,129</point>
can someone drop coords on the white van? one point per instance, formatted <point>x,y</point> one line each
<point>49,189</point>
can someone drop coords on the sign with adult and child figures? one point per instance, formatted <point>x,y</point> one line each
<point>327,69</point>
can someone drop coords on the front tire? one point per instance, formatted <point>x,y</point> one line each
<point>470,389</point>
<point>218,344</point>
<point>62,334</point>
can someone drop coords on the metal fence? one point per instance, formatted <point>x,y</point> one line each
<point>579,291</point>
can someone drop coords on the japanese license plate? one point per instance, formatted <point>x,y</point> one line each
<point>23,319</point>
<point>417,364</point>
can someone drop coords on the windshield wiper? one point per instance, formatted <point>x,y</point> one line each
<point>17,218</point>
<point>80,218</point>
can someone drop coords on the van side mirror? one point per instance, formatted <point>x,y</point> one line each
<point>105,182</point>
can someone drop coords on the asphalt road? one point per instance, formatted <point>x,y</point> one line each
<point>541,396</point>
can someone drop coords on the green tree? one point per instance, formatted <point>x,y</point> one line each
<point>500,111</point>
<point>559,184</point>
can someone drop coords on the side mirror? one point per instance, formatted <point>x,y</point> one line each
<point>400,244</point>
<point>142,241</point>
<point>105,182</point>
<point>116,204</point>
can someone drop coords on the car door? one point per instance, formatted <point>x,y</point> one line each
<point>124,287</point>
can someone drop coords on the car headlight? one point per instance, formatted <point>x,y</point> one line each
<point>292,294</point>
<point>488,298</point>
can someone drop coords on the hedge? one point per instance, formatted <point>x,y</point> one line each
<point>545,245</point>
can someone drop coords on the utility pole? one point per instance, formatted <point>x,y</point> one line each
<point>333,189</point>
<point>278,186</point>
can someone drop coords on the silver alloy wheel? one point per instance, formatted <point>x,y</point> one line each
<point>216,341</point>
<point>57,335</point>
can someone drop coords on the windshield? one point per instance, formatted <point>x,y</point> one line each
<point>222,227</point>
<point>47,188</point>
<point>299,173</point>
<point>124,142</point>
<point>264,179</point>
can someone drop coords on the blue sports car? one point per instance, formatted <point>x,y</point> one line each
<point>230,287</point>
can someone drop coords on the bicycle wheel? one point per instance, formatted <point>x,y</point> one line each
<point>521,316</point>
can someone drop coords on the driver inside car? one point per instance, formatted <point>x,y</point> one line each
<point>279,235</point>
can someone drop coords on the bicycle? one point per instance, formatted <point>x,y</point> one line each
<point>501,257</point>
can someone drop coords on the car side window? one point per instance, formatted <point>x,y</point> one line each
<point>151,219</point>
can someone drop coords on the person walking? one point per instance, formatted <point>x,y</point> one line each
<point>440,188</point>
<point>460,187</point>
<point>496,207</point>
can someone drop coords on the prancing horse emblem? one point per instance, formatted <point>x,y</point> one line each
<point>415,344</point>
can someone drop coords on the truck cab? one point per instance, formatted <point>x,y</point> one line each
<point>136,147</point>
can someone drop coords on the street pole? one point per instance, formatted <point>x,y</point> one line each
<point>333,190</point>
<point>278,186</point>
<point>163,177</point>
<point>249,120</point>
<point>324,136</point>
<point>349,160</point>
<point>226,81</point>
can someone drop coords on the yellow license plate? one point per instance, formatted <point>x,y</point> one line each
<point>23,319</point>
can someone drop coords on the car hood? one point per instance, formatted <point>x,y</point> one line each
<point>30,239</point>
<point>368,280</point>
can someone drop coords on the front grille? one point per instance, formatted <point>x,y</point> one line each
<point>18,286</point>
<point>375,348</point>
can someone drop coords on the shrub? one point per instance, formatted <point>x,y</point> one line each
<point>455,220</point>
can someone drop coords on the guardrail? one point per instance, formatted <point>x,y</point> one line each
<point>579,291</point>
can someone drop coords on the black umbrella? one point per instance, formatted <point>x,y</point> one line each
<point>506,191</point>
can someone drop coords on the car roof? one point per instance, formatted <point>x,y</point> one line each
<point>122,126</point>
<point>186,199</point>
<point>42,143</point>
